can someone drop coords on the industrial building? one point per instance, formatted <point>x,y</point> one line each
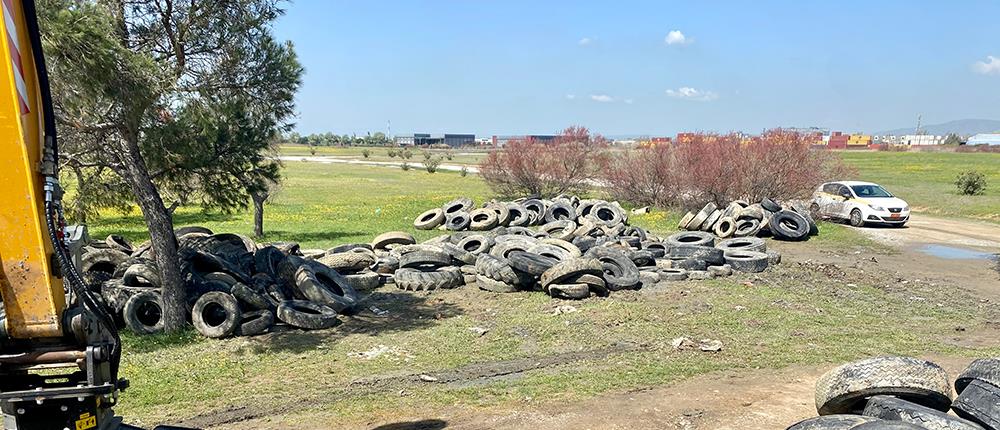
<point>500,141</point>
<point>984,139</point>
<point>426,139</point>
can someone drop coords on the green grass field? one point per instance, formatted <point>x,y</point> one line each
<point>794,314</point>
<point>926,180</point>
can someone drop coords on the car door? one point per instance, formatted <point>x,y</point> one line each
<point>827,199</point>
<point>840,207</point>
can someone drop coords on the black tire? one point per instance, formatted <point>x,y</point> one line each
<point>102,260</point>
<point>216,315</point>
<point>348,261</point>
<point>712,256</point>
<point>502,249</point>
<point>747,261</point>
<point>461,204</point>
<point>893,409</point>
<point>572,268</point>
<point>619,271</point>
<point>642,258</point>
<point>701,216</point>
<point>457,221</point>
<point>560,211</point>
<point>384,240</point>
<point>496,269</point>
<point>983,369</point>
<point>348,247</point>
<point>253,297</point>
<point>325,287</point>
<point>486,283</point>
<point>788,225</point>
<point>424,259</point>
<point>721,271</point>
<point>571,250</point>
<point>685,220</point>
<point>476,244</point>
<point>307,315</point>
<point>606,214</point>
<point>267,259</point>
<point>742,244</point>
<point>809,214</point>
<point>584,243</point>
<point>189,229</point>
<point>856,218</point>
<point>568,291</point>
<point>535,209</point>
<point>770,205</point>
<point>503,213</point>
<point>483,219</point>
<point>429,220</point>
<point>831,422</point>
<point>255,323</point>
<point>747,227</point>
<point>531,264</point>
<point>143,312</point>
<point>140,275</point>
<point>596,283</point>
<point>459,256</point>
<point>120,243</point>
<point>416,280</point>
<point>657,249</point>
<point>551,251</point>
<point>725,227</point>
<point>979,403</point>
<point>887,425</point>
<point>364,281</point>
<point>846,388</point>
<point>689,264</point>
<point>673,274</point>
<point>691,238</point>
<point>519,216</point>
<point>564,229</point>
<point>709,224</point>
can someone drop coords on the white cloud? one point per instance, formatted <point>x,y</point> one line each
<point>603,98</point>
<point>570,96</point>
<point>689,93</point>
<point>990,67</point>
<point>675,37</point>
<point>585,41</point>
<point>628,101</point>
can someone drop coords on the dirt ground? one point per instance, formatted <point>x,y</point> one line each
<point>766,399</point>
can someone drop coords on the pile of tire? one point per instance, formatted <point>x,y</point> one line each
<point>739,218</point>
<point>577,249</point>
<point>906,393</point>
<point>234,286</point>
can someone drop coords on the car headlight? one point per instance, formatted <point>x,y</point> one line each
<point>906,208</point>
<point>877,207</point>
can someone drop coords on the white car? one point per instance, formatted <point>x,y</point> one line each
<point>860,203</point>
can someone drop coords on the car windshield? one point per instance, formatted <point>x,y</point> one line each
<point>870,191</point>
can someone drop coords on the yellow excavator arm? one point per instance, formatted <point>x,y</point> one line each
<point>32,296</point>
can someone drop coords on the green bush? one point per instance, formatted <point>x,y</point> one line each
<point>464,172</point>
<point>971,183</point>
<point>366,152</point>
<point>392,152</point>
<point>431,164</point>
<point>405,154</point>
<point>405,166</point>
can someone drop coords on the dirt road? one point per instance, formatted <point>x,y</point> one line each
<point>944,231</point>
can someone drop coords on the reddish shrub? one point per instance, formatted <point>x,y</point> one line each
<point>721,168</point>
<point>567,164</point>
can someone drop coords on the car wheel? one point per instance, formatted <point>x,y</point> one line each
<point>814,210</point>
<point>856,219</point>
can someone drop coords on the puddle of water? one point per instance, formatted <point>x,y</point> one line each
<point>953,253</point>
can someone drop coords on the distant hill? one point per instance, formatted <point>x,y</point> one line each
<point>961,126</point>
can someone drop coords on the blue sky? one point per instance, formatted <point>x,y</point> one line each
<point>509,67</point>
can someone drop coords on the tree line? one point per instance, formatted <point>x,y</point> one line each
<point>332,139</point>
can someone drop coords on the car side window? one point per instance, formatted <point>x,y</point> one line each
<point>843,190</point>
<point>830,188</point>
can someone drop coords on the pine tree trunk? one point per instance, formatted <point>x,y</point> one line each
<point>258,213</point>
<point>161,232</point>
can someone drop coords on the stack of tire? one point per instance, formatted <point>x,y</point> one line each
<point>791,222</point>
<point>579,248</point>
<point>234,286</point>
<point>906,393</point>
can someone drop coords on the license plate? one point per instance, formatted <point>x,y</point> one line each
<point>894,216</point>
